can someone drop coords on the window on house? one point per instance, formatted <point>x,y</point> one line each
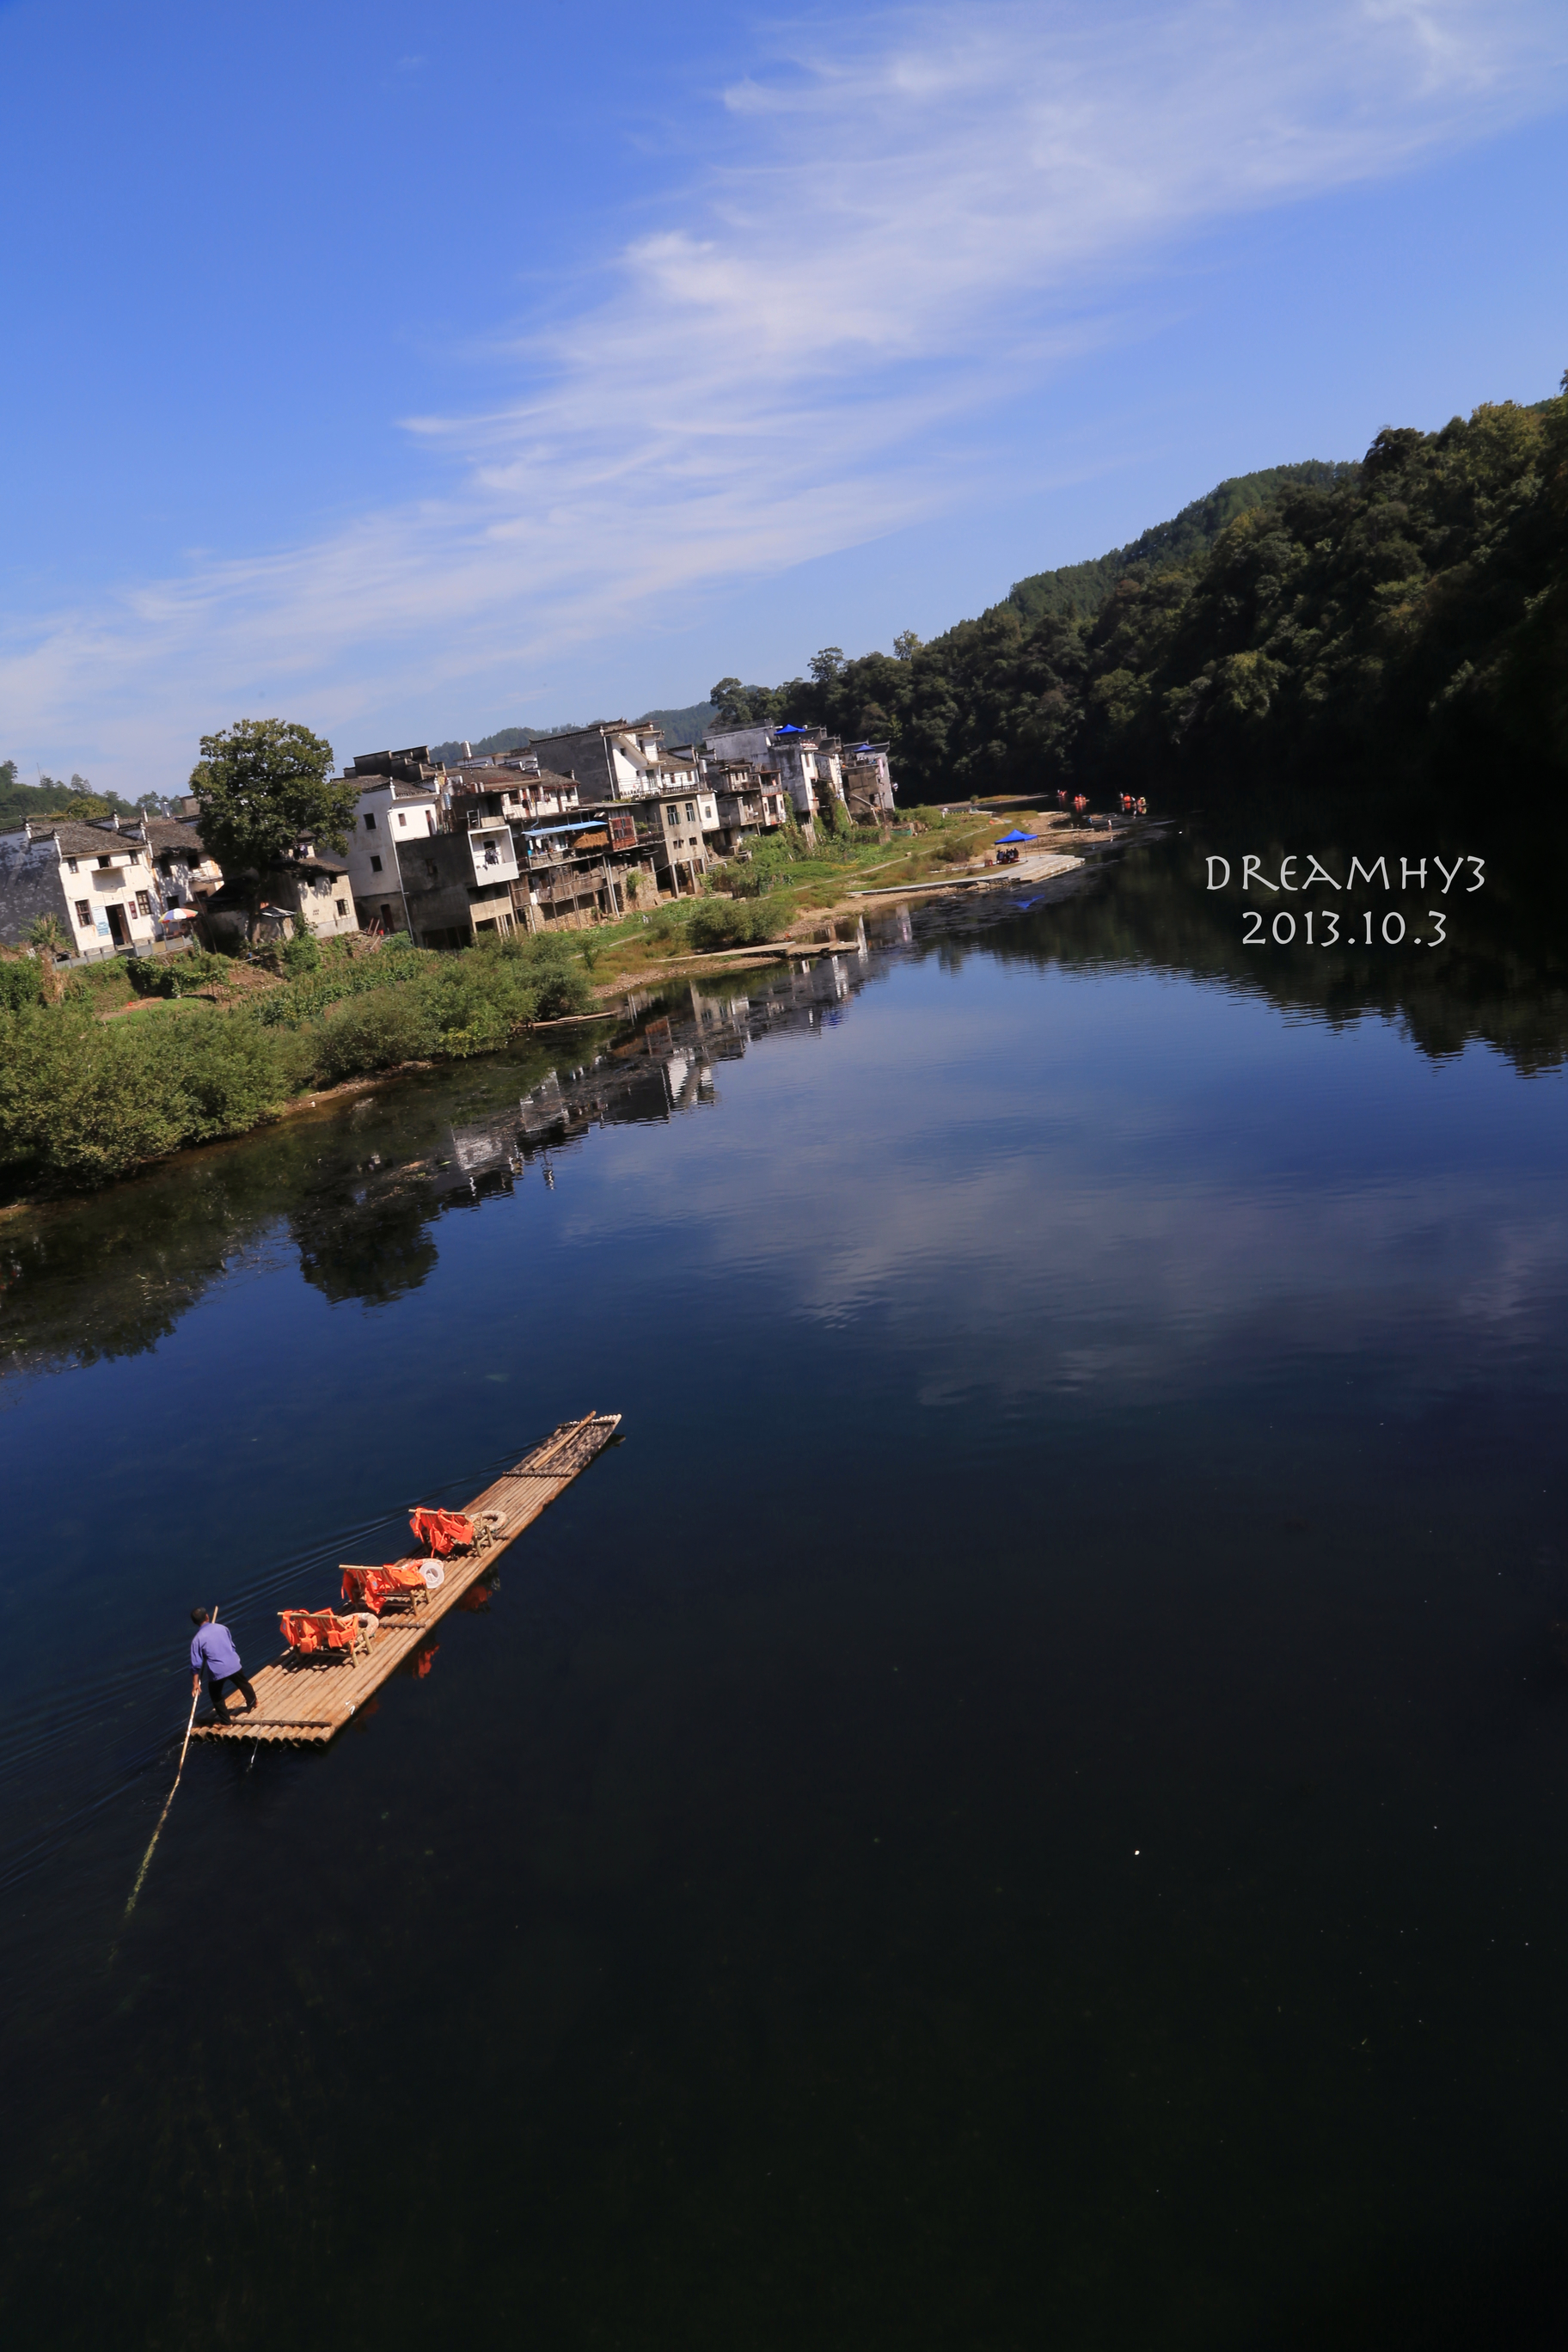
<point>340,906</point>
<point>71,864</point>
<point>375,866</point>
<point>690,813</point>
<point>400,818</point>
<point>143,905</point>
<point>370,820</point>
<point>84,914</point>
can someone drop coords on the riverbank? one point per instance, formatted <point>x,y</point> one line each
<point>109,1078</point>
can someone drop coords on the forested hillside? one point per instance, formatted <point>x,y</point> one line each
<point>1078,590</point>
<point>1403,622</point>
<point>50,797</point>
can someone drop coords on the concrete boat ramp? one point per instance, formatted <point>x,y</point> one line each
<point>307,1700</point>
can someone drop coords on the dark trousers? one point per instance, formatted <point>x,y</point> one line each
<point>216,1689</point>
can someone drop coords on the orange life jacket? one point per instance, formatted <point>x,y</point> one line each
<point>442,1530</point>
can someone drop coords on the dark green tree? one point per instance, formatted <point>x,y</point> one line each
<point>735,705</point>
<point>264,786</point>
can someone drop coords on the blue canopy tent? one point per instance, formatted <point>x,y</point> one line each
<point>1018,836</point>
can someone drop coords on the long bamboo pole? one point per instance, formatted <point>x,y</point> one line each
<point>196,1697</point>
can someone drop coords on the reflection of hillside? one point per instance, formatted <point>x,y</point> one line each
<point>1502,978</point>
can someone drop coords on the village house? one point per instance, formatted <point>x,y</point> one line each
<point>520,787</point>
<point>424,857</point>
<point>96,881</point>
<point>458,883</point>
<point>399,802</point>
<point>869,785</point>
<point>615,760</point>
<point>685,831</point>
<point>186,875</point>
<point>308,890</point>
<point>807,761</point>
<point>577,871</point>
<point>486,844</point>
<point>749,803</point>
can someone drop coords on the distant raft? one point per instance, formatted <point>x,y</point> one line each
<point>334,1663</point>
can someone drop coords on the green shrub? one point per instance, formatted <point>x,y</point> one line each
<point>300,954</point>
<point>668,926</point>
<point>720,923</point>
<point>19,982</point>
<point>85,1100</point>
<point>375,1031</point>
<point>94,983</point>
<point>559,988</point>
<point>195,970</point>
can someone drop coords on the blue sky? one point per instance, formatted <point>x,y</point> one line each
<point>413,372</point>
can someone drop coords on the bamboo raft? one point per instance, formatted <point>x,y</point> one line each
<point>309,1699</point>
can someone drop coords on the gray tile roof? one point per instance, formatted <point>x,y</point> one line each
<point>166,832</point>
<point>79,838</point>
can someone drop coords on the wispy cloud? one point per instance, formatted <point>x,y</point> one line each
<point>903,221</point>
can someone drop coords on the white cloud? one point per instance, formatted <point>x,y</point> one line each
<point>908,219</point>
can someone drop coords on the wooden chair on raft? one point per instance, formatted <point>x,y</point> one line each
<point>323,1635</point>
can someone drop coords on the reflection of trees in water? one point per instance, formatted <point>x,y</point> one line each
<point>109,1275</point>
<point>1502,978</point>
<point>375,1250</point>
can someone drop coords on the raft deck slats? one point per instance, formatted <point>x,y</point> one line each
<point>309,1699</point>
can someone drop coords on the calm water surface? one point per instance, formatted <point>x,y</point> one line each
<point>1023,1803</point>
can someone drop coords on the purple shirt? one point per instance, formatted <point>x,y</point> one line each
<point>214,1650</point>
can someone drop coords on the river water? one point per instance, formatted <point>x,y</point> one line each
<point>1024,1802</point>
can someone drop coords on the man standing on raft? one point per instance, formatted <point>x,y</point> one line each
<point>213,1649</point>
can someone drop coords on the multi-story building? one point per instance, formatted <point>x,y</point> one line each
<point>186,874</point>
<point>685,833</point>
<point>399,805</point>
<point>808,762</point>
<point>595,867</point>
<point>457,884</point>
<point>96,881</point>
<point>750,802</point>
<point>869,785</point>
<point>519,785</point>
<point>615,761</point>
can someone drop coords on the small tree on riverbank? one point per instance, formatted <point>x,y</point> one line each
<point>49,941</point>
<point>264,785</point>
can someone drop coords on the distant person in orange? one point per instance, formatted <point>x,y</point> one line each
<point>214,1650</point>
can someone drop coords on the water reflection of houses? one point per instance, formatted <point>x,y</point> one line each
<point>666,1067</point>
